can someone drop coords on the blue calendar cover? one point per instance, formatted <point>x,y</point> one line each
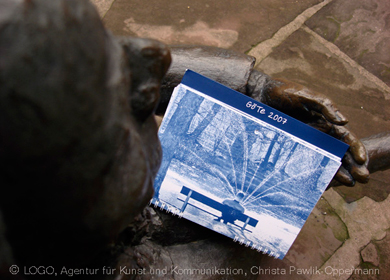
<point>239,167</point>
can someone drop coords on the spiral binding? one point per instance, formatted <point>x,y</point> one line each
<point>166,207</point>
<point>257,247</point>
<point>242,241</point>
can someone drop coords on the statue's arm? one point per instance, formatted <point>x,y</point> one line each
<point>227,67</point>
<point>378,150</point>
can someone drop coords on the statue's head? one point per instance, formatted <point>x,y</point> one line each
<point>78,139</point>
<point>240,196</point>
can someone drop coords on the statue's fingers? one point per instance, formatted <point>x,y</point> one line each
<point>300,97</point>
<point>320,123</point>
<point>331,113</point>
<point>359,172</point>
<point>344,177</point>
<point>322,105</point>
<point>356,147</point>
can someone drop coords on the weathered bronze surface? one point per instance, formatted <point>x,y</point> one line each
<point>378,149</point>
<point>78,141</point>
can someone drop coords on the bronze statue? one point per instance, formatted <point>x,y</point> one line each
<point>78,142</point>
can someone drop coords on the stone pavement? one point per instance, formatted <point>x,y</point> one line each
<point>337,47</point>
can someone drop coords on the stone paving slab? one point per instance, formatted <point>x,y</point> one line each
<point>102,6</point>
<point>371,256</point>
<point>331,232</point>
<point>229,24</point>
<point>341,50</point>
<point>367,221</point>
<point>361,29</point>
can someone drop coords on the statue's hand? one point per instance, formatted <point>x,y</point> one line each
<point>320,112</point>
